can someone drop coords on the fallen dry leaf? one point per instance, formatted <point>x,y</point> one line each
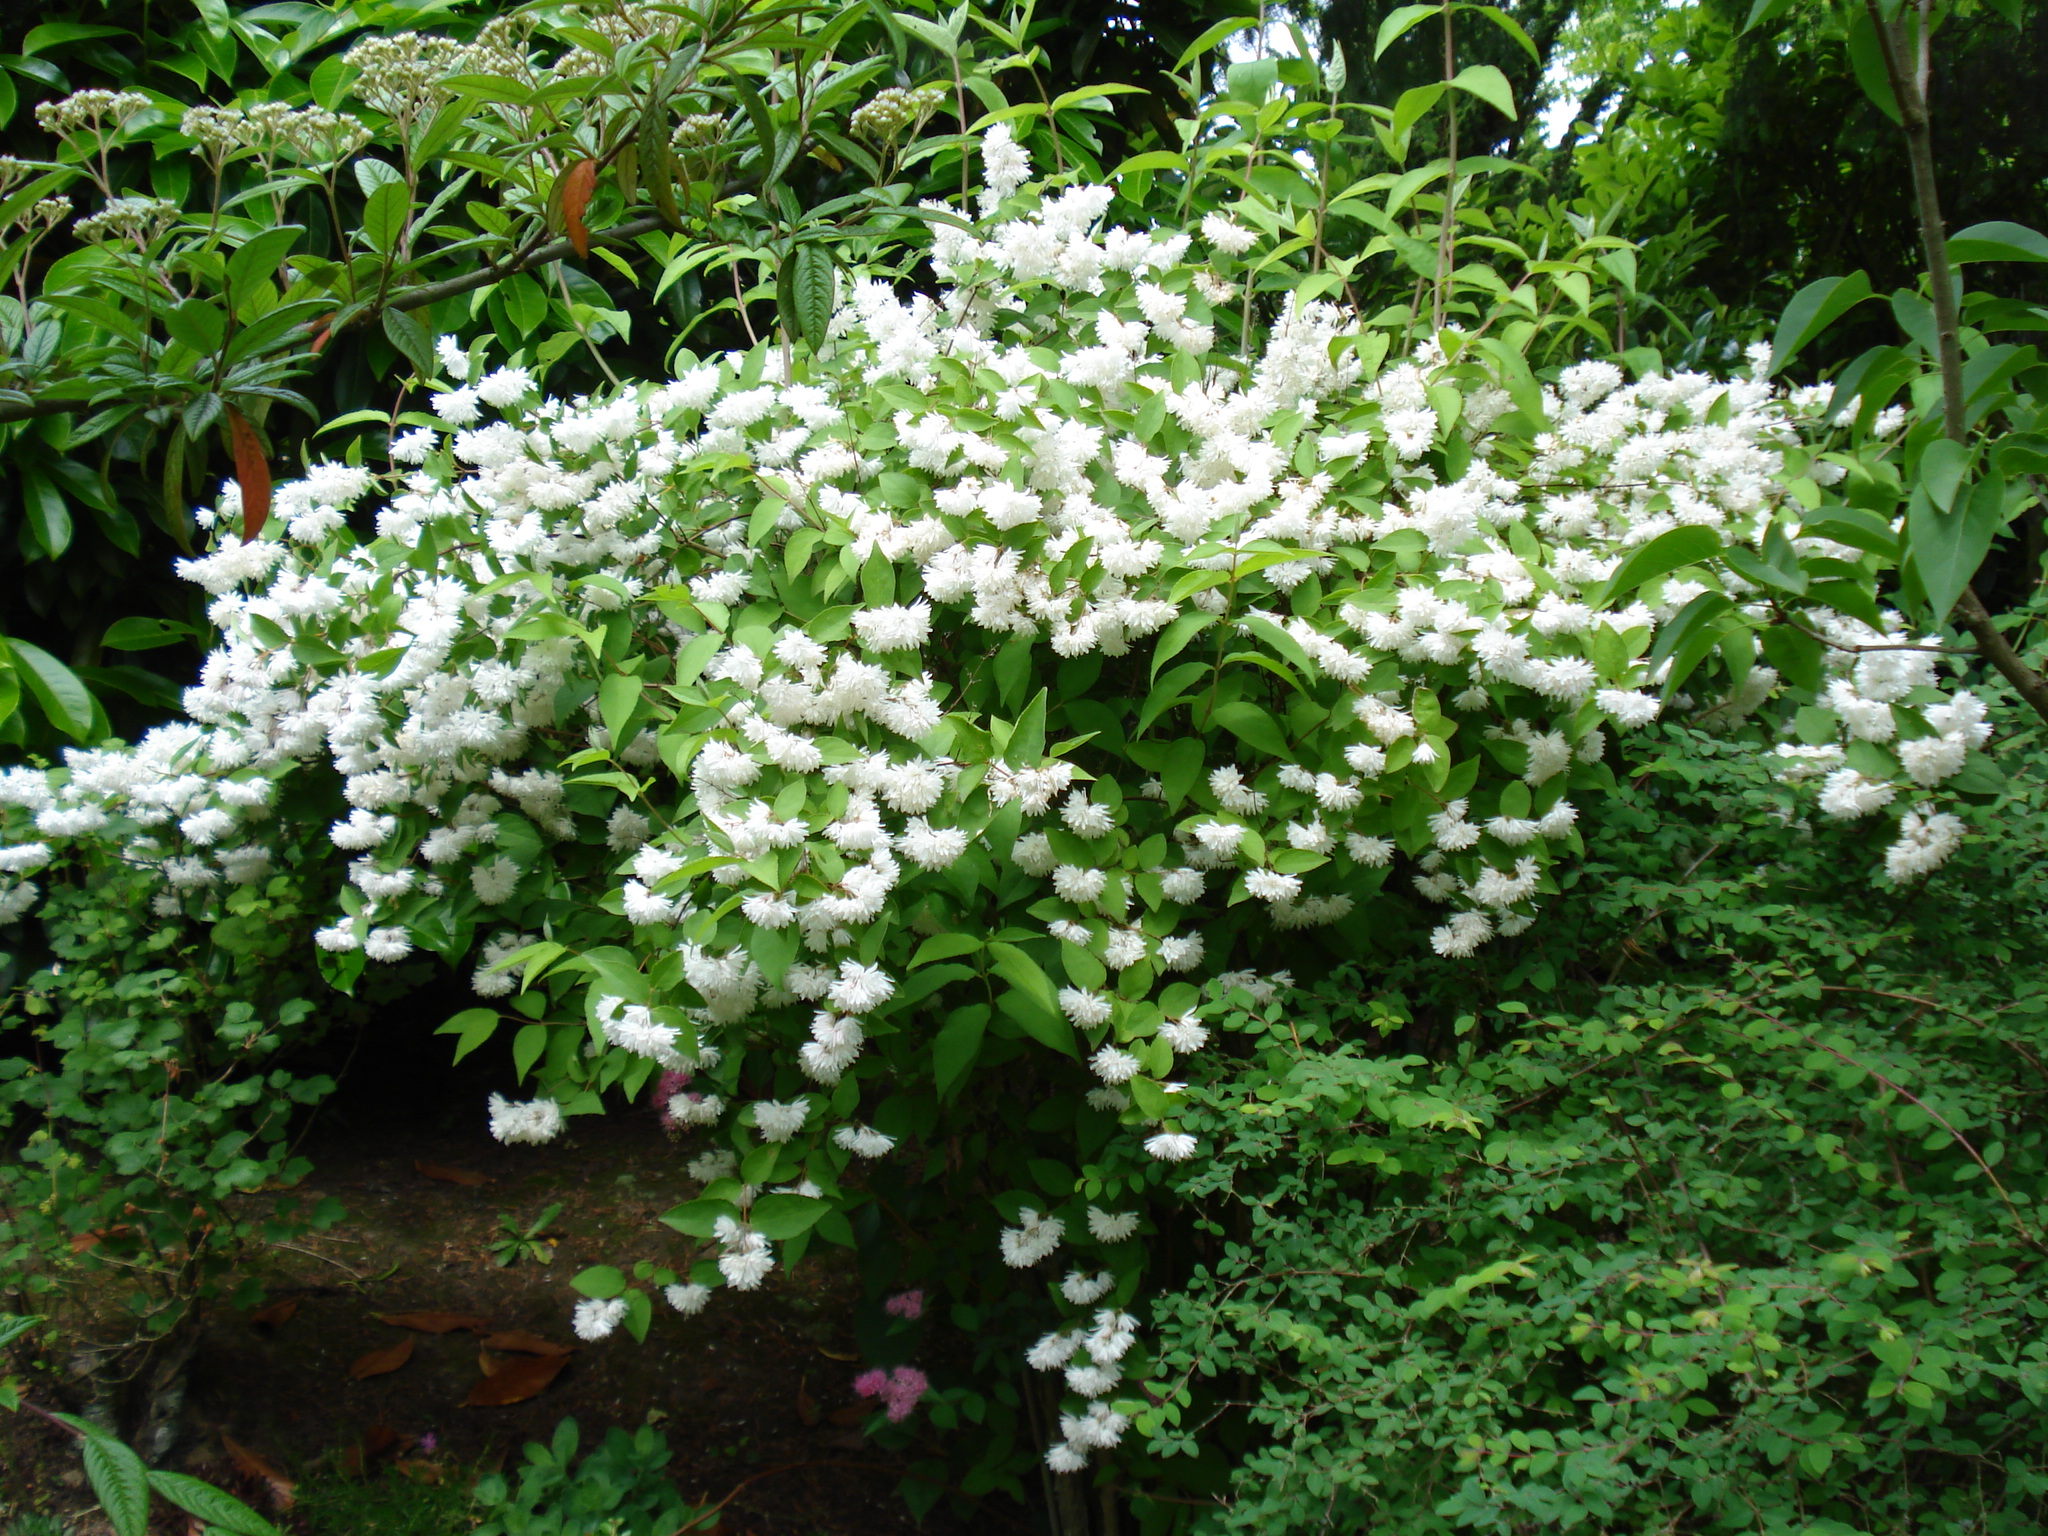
<point>281,1489</point>
<point>519,1342</point>
<point>435,1322</point>
<point>806,1405</point>
<point>515,1381</point>
<point>379,1438</point>
<point>486,1362</point>
<point>276,1313</point>
<point>418,1471</point>
<point>450,1175</point>
<point>381,1362</point>
<point>848,1418</point>
<point>834,1354</point>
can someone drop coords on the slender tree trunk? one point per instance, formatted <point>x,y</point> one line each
<point>1906,63</point>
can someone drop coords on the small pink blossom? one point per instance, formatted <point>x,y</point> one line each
<point>899,1389</point>
<point>666,1087</point>
<point>908,1305</point>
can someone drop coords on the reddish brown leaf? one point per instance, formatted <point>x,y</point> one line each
<point>252,472</point>
<point>278,1312</point>
<point>381,1362</point>
<point>806,1405</point>
<point>281,1489</point>
<point>323,332</point>
<point>435,1322</point>
<point>578,182</point>
<point>378,1439</point>
<point>515,1381</point>
<point>418,1471</point>
<point>460,1176</point>
<point>81,1241</point>
<point>849,1418</point>
<point>523,1343</point>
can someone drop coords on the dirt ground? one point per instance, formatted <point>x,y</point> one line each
<point>758,1384</point>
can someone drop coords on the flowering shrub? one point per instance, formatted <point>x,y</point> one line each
<point>827,731</point>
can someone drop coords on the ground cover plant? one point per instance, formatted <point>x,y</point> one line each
<point>986,681</point>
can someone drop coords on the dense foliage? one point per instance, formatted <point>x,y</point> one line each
<point>1715,1203</point>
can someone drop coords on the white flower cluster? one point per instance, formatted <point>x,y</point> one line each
<point>738,646</point>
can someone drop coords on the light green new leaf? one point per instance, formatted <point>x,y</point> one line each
<point>1489,85</point>
<point>1997,241</point>
<point>1398,22</point>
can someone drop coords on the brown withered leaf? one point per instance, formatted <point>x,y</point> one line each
<point>486,1362</point>
<point>515,1381</point>
<point>576,185</point>
<point>836,1354</point>
<point>418,1471</point>
<point>252,472</point>
<point>849,1418</point>
<point>435,1322</point>
<point>806,1405</point>
<point>379,1438</point>
<point>381,1362</point>
<point>520,1342</point>
<point>282,1491</point>
<point>278,1312</point>
<point>447,1175</point>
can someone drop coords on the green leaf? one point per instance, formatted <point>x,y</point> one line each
<point>1946,548</point>
<point>210,1504</point>
<point>1866,59</point>
<point>1489,85</point>
<point>1943,464</point>
<point>1032,1000</point>
<point>196,324</point>
<point>617,697</point>
<point>803,292</point>
<point>1398,22</point>
<point>412,341</point>
<point>956,1045</point>
<point>601,1282</point>
<point>527,1046</point>
<point>384,214</point>
<point>698,1217</point>
<point>258,257</point>
<point>471,1027</point>
<point>12,1328</point>
<point>1997,241</point>
<point>1765,10</point>
<point>49,520</point>
<point>142,634</point>
<point>1675,547</point>
<point>1413,105</point>
<point>1227,28</point>
<point>781,1217</point>
<point>57,689</point>
<point>1253,726</point>
<point>119,1480</point>
<point>1813,309</point>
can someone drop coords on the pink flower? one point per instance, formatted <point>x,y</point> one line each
<point>871,1384</point>
<point>666,1087</point>
<point>906,1385</point>
<point>905,1304</point>
<point>899,1389</point>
